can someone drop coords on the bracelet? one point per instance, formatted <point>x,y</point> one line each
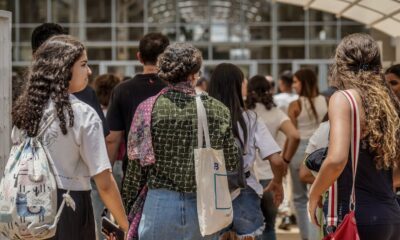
<point>286,161</point>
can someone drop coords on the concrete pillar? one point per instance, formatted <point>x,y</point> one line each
<point>397,46</point>
<point>5,87</point>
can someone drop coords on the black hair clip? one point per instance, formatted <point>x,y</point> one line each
<point>364,66</point>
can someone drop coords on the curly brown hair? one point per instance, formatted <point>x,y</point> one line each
<point>48,78</point>
<point>178,61</point>
<point>103,85</point>
<point>259,91</point>
<point>358,66</point>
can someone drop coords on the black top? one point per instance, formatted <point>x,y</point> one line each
<point>375,199</point>
<point>88,96</point>
<point>127,96</point>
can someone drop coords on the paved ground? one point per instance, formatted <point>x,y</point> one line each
<point>293,234</point>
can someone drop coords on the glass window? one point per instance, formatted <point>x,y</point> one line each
<point>323,32</point>
<point>167,30</point>
<point>25,34</point>
<point>227,51</point>
<point>25,53</point>
<point>320,16</point>
<point>260,52</point>
<point>125,34</point>
<point>284,67</point>
<point>130,11</point>
<point>290,13</point>
<point>127,53</point>
<point>257,33</point>
<point>226,33</point>
<point>98,34</point>
<point>322,51</point>
<point>204,52</point>
<point>98,11</point>
<point>194,32</point>
<point>95,73</point>
<point>225,11</point>
<point>291,32</point>
<point>103,53</point>
<point>33,11</point>
<point>193,11</point>
<point>264,69</point>
<point>257,11</point>
<point>291,52</point>
<point>352,28</point>
<point>65,11</point>
<point>161,12</point>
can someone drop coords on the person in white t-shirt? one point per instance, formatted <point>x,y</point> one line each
<point>286,94</point>
<point>228,85</point>
<point>260,100</point>
<point>75,139</point>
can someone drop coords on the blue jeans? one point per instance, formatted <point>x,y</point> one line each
<point>248,218</point>
<point>170,215</point>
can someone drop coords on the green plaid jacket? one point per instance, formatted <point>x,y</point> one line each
<point>174,136</point>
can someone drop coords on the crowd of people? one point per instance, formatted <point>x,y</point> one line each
<point>128,145</point>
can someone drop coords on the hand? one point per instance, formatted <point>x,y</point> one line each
<point>113,237</point>
<point>277,190</point>
<point>313,203</point>
<point>285,168</point>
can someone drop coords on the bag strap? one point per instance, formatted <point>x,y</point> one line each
<point>202,124</point>
<point>332,218</point>
<point>355,143</point>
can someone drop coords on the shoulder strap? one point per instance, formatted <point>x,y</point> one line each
<point>202,124</point>
<point>332,218</point>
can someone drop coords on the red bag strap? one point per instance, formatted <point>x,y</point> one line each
<point>332,218</point>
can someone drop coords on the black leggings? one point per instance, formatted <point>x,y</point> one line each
<point>379,232</point>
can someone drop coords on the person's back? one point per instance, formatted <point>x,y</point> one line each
<point>357,70</point>
<point>306,122</point>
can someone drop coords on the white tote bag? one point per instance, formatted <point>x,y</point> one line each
<point>214,203</point>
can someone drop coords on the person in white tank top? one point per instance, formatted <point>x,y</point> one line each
<point>306,114</point>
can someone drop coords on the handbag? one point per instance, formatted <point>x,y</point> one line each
<point>315,159</point>
<point>214,202</point>
<point>347,230</point>
<point>237,177</point>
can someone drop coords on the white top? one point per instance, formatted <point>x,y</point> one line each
<point>320,138</point>
<point>306,122</point>
<point>273,119</point>
<point>78,155</point>
<point>282,100</point>
<point>259,141</point>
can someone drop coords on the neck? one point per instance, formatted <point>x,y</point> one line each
<point>148,69</point>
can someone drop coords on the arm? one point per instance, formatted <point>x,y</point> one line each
<point>305,175</point>
<point>294,112</point>
<point>113,140</point>
<point>110,196</point>
<point>292,139</point>
<point>276,183</point>
<point>339,145</point>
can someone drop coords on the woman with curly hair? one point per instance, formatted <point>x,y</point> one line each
<point>357,68</point>
<point>170,208</point>
<point>260,100</point>
<point>74,139</point>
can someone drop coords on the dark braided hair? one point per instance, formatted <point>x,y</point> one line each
<point>259,91</point>
<point>48,78</point>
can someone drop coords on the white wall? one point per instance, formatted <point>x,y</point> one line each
<point>5,87</point>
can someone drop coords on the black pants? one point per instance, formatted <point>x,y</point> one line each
<point>78,224</point>
<point>379,232</point>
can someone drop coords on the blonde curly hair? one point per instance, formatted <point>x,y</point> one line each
<point>357,65</point>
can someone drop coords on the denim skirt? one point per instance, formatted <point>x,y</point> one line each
<point>170,215</point>
<point>248,219</point>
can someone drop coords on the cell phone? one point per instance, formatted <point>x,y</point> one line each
<point>108,227</point>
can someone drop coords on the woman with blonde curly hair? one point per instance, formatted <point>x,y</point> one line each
<point>358,69</point>
<point>170,208</point>
<point>74,139</point>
